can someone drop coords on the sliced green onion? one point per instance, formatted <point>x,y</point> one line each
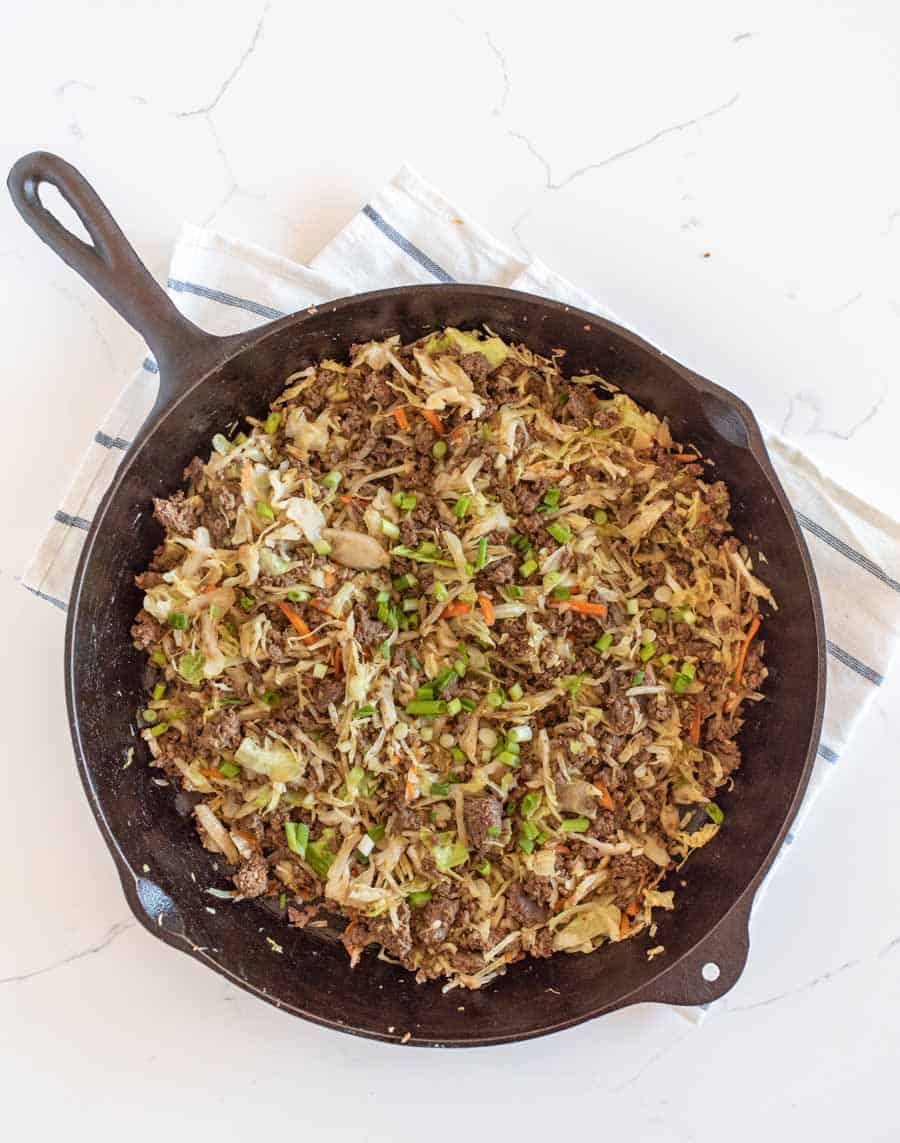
<point>515,692</point>
<point>439,450</point>
<point>528,568</point>
<point>494,831</point>
<point>552,497</point>
<point>666,659</point>
<point>600,516</point>
<point>461,507</point>
<point>389,528</point>
<point>424,693</point>
<point>382,597</point>
<point>159,690</point>
<point>160,728</point>
<point>410,605</point>
<point>320,670</point>
<point>273,420</point>
<point>448,856</point>
<point>364,711</point>
<point>715,813</point>
<point>408,501</point>
<point>418,899</point>
<point>517,734</point>
<point>376,833</point>
<point>332,479</point>
<point>512,591</point>
<point>526,844</point>
<point>263,510</point>
<point>425,554</point>
<point>229,770</point>
<point>529,803</point>
<point>647,652</point>
<point>458,755</point>
<point>658,614</point>
<point>240,439</point>
<point>402,583</point>
<point>190,666</point>
<point>495,698</point>
<point>481,558</point>
<point>178,620</point>
<point>561,593</point>
<point>468,704</point>
<point>157,657</point>
<point>444,678</point>
<point>221,444</point>
<point>508,758</point>
<point>321,547</point>
<point>297,836</point>
<point>680,683</point>
<point>296,595</point>
<point>247,602</point>
<point>439,789</point>
<point>631,606</point>
<point>271,698</point>
<point>560,532</point>
<point>454,706</point>
<point>149,716</point>
<point>319,856</point>
<point>484,868</point>
<point>689,670</point>
<point>440,591</point>
<point>637,678</point>
<point>385,650</point>
<point>428,707</point>
<point>574,825</point>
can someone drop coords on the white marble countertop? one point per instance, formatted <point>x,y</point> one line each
<point>726,177</point>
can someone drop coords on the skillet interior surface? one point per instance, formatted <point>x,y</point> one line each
<point>147,825</point>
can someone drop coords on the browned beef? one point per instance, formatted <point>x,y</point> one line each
<point>221,734</point>
<point>178,514</point>
<point>522,908</point>
<point>252,879</point>
<point>148,579</point>
<point>482,813</point>
<point>146,630</point>
<point>433,922</point>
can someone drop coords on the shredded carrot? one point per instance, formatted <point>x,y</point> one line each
<point>208,588</point>
<point>295,621</point>
<point>583,606</point>
<point>321,605</point>
<point>456,609</point>
<point>211,773</point>
<point>338,661</point>
<point>434,420</point>
<point>685,457</point>
<point>632,909</point>
<point>350,500</point>
<point>694,734</point>
<point>624,927</point>
<point>248,837</point>
<point>330,579</point>
<point>487,609</point>
<point>401,418</point>
<point>606,800</point>
<point>745,646</point>
<point>412,783</point>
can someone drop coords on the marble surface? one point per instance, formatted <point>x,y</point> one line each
<point>726,177</point>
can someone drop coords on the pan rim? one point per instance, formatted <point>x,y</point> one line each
<point>251,340</point>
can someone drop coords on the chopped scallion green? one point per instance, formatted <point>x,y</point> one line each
<point>600,516</point>
<point>178,620</point>
<point>481,558</point>
<point>439,789</point>
<point>389,528</point>
<point>332,479</point>
<point>529,567</point>
<point>529,803</point>
<point>229,770</point>
<point>159,690</point>
<point>561,593</point>
<point>574,825</point>
<point>273,420</point>
<point>264,511</point>
<point>515,692</point>
<point>430,708</point>
<point>560,532</point>
<point>419,898</point>
<point>439,450</point>
<point>637,678</point>
<point>364,711</point>
<point>297,837</point>
<point>715,813</point>
<point>647,651</point>
<point>461,507</point>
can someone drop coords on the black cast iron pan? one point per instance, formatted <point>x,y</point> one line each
<point>207,382</point>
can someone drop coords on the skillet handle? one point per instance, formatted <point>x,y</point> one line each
<point>111,266</point>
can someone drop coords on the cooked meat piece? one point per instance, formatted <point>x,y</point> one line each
<point>369,631</point>
<point>433,922</point>
<point>178,514</point>
<point>482,814</point>
<point>222,733</point>
<point>522,908</point>
<point>148,579</point>
<point>252,879</point>
<point>146,630</point>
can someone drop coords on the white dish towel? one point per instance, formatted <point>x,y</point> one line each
<point>409,234</point>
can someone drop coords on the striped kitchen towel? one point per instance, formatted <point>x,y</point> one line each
<point>410,234</point>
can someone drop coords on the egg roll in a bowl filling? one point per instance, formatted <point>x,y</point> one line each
<point>454,647</point>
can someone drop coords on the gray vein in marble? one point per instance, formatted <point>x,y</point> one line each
<point>112,934</point>
<point>673,129</point>
<point>741,36</point>
<point>848,303</point>
<point>80,84</point>
<point>501,59</point>
<point>893,215</point>
<point>889,948</point>
<point>806,986</point>
<point>615,1089</point>
<point>811,402</point>
<point>235,72</point>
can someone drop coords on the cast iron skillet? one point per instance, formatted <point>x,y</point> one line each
<point>205,383</point>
